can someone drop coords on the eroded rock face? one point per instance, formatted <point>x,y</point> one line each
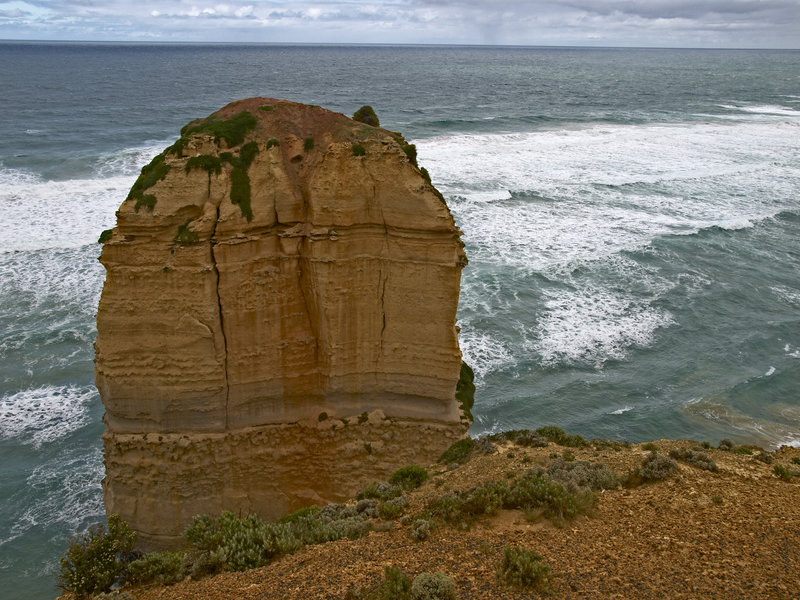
<point>277,325</point>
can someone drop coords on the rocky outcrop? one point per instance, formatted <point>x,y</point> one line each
<point>277,325</point>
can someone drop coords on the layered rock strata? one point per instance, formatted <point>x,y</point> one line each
<point>277,325</point>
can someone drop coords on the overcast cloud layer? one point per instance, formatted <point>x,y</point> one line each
<point>671,23</point>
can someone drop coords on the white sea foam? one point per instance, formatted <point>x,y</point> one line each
<point>787,294</point>
<point>764,109</point>
<point>41,214</point>
<point>484,353</point>
<point>562,203</point>
<point>593,325</point>
<point>43,415</point>
<point>621,411</point>
<point>605,189</point>
<point>792,351</point>
<point>67,491</point>
<point>770,372</point>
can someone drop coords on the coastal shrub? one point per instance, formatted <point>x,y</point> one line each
<point>266,107</point>
<point>465,390</point>
<point>602,444</point>
<point>409,477</point>
<point>650,447</point>
<point>411,153</point>
<point>395,586</point>
<point>595,476</point>
<point>433,586</point>
<point>706,445</point>
<point>458,452</point>
<point>97,559</point>
<point>392,508</point>
<point>726,444</point>
<point>697,459</point>
<point>359,150</point>
<point>425,175</point>
<point>380,491</point>
<point>271,142</point>
<point>764,457</point>
<point>742,450</point>
<point>157,568</point>
<point>368,507</point>
<point>483,445</point>
<point>105,235</point>
<point>151,174</point>
<point>308,144</point>
<point>524,569</point>
<point>421,529</point>
<point>560,437</point>
<point>656,467</point>
<point>366,114</point>
<point>231,543</point>
<point>782,472</point>
<point>717,499</point>
<point>529,439</point>
<point>534,492</point>
<point>231,130</point>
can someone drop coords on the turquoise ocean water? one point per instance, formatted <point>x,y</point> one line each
<point>632,219</point>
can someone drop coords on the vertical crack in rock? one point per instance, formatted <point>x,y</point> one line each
<point>215,268</point>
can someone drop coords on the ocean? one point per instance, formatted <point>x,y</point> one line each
<point>631,216</point>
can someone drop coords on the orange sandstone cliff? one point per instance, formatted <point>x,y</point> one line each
<point>277,324</point>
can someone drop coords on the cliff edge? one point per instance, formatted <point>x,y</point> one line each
<point>277,324</point>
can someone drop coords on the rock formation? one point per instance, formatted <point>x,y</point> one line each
<point>277,325</point>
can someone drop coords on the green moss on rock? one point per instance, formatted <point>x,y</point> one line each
<point>231,130</point>
<point>465,390</point>
<point>151,174</point>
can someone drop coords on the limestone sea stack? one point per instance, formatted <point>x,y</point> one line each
<point>277,325</point>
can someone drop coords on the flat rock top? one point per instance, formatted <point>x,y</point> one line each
<point>698,534</point>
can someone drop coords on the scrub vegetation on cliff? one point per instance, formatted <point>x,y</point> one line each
<point>491,523</point>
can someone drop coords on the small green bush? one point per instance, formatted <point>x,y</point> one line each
<point>366,114</point>
<point>395,586</point>
<point>425,175</point>
<point>742,450</point>
<point>764,457</point>
<point>271,142</point>
<point>380,491</point>
<point>717,499</point>
<point>266,107</point>
<point>458,452</point>
<point>483,445</point>
<point>595,476</point>
<point>421,529</point>
<point>697,459</point>
<point>359,150</point>
<point>558,436</point>
<point>726,444</point>
<point>392,508</point>
<point>706,445</point>
<point>529,439</point>
<point>524,569</point>
<point>157,568</point>
<point>97,559</point>
<point>105,236</point>
<point>433,586</point>
<point>409,477</point>
<point>782,472</point>
<point>657,467</point>
<point>308,144</point>
<point>650,447</point>
<point>795,460</point>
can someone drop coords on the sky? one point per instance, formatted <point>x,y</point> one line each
<point>653,23</point>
